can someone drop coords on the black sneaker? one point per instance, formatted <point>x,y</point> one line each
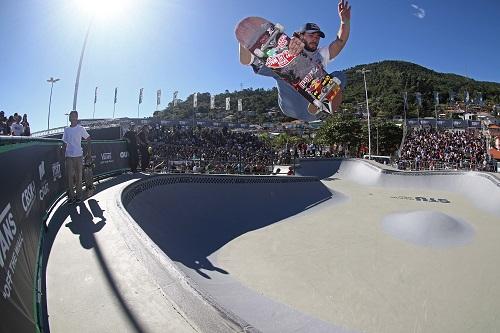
<point>78,201</point>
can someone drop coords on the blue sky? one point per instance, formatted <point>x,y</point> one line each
<point>189,46</point>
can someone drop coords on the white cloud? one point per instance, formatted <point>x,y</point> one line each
<point>420,11</point>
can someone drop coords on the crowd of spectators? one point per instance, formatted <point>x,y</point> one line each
<point>431,149</point>
<point>206,150</point>
<point>14,125</point>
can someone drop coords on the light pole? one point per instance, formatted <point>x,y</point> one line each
<point>77,81</point>
<point>364,71</point>
<point>51,81</point>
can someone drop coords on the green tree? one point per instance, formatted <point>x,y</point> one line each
<point>387,133</point>
<point>341,129</point>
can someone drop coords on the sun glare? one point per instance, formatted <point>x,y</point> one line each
<point>105,9</point>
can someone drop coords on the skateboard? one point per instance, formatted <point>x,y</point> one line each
<point>268,42</point>
<point>88,173</point>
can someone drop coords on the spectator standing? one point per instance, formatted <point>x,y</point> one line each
<point>73,153</point>
<point>26,125</point>
<point>16,128</point>
<point>131,137</point>
<point>143,141</point>
<point>4,128</point>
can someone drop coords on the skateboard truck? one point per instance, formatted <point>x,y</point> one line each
<point>259,52</point>
<point>319,103</point>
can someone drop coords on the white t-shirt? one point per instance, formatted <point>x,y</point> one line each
<point>73,138</point>
<point>17,129</point>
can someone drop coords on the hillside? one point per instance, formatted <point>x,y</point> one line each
<point>386,83</point>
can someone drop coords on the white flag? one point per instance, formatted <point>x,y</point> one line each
<point>212,102</point>
<point>140,95</point>
<point>195,100</point>
<point>175,98</point>
<point>436,97</point>
<point>228,105</point>
<point>240,105</point>
<point>419,98</point>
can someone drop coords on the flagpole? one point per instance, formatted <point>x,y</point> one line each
<point>95,100</point>
<point>140,101</point>
<point>114,104</point>
<point>77,81</point>
<point>436,102</point>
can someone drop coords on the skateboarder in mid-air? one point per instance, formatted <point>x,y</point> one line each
<point>306,39</point>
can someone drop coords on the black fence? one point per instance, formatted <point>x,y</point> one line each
<point>32,180</point>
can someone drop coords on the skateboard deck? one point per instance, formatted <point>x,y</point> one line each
<point>88,175</point>
<point>268,42</point>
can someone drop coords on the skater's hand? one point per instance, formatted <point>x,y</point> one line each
<point>344,11</point>
<point>296,45</point>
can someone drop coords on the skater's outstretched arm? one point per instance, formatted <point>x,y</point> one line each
<point>343,35</point>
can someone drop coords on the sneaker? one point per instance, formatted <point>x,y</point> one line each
<point>78,201</point>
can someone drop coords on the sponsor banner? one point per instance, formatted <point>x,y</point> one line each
<point>444,123</point>
<point>475,123</point>
<point>428,122</point>
<point>109,156</point>
<point>32,180</point>
<point>205,123</point>
<point>412,123</point>
<point>459,123</point>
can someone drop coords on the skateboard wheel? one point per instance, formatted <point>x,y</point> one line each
<point>258,53</point>
<point>279,27</point>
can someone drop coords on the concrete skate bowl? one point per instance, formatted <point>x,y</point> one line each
<point>183,220</point>
<point>367,249</point>
<point>483,189</point>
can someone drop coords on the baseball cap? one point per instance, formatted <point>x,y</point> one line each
<point>311,28</point>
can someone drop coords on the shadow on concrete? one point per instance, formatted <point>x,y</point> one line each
<point>190,221</point>
<point>321,168</point>
<point>82,222</point>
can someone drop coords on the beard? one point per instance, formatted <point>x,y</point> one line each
<point>310,48</point>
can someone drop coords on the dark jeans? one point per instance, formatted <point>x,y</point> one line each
<point>133,158</point>
<point>144,157</point>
